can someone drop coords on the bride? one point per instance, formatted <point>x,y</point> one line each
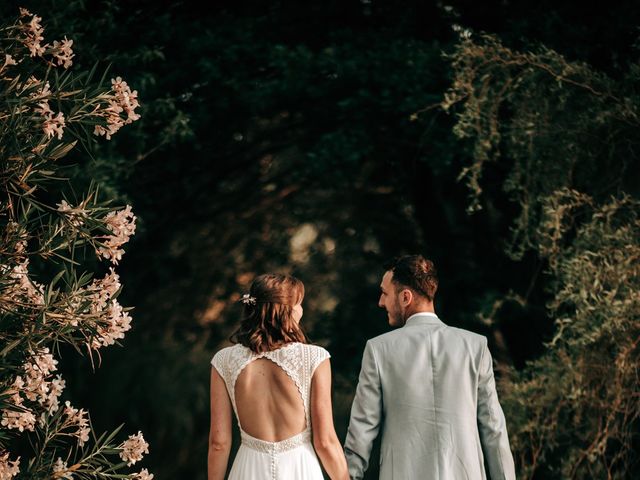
<point>279,388</point>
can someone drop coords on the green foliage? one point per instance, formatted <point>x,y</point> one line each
<point>576,408</point>
<point>566,136</point>
<point>558,123</point>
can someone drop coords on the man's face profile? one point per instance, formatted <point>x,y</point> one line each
<point>389,300</point>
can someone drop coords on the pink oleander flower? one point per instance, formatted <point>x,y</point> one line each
<point>117,323</point>
<point>104,289</point>
<point>55,390</point>
<point>8,468</point>
<point>39,94</point>
<point>24,290</point>
<point>20,420</point>
<point>34,386</point>
<point>8,60</point>
<point>16,387</point>
<point>134,448</point>
<point>144,475</point>
<point>127,99</point>
<point>99,130</point>
<point>77,418</point>
<point>111,320</point>
<point>21,247</point>
<point>123,224</point>
<point>42,362</point>
<point>61,470</point>
<point>123,100</point>
<point>44,109</point>
<point>53,126</point>
<point>76,215</point>
<point>62,52</point>
<point>33,34</point>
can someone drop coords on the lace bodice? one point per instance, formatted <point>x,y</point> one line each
<point>298,360</point>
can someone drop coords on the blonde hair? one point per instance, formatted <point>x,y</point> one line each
<point>268,322</point>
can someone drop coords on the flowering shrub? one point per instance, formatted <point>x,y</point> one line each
<point>45,238</point>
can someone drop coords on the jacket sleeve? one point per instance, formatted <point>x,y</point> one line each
<point>492,424</point>
<point>366,415</point>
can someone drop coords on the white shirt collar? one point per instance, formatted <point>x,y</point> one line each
<point>423,318</point>
<point>430,314</point>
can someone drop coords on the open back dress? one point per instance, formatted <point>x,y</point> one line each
<point>293,457</point>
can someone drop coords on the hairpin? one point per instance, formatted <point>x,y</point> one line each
<point>248,299</point>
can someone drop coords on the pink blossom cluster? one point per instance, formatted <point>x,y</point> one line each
<point>117,107</point>
<point>126,98</point>
<point>9,468</point>
<point>21,420</point>
<point>76,215</point>
<point>33,37</point>
<point>112,328</point>
<point>22,290</point>
<point>8,61</point>
<point>122,224</point>
<point>103,290</point>
<point>79,420</point>
<point>53,124</point>
<point>143,475</point>
<point>122,100</point>
<point>33,33</point>
<point>134,448</point>
<point>31,83</point>
<point>62,52</point>
<point>61,470</point>
<point>112,321</point>
<point>35,385</point>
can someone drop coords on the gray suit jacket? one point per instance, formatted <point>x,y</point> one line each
<point>430,388</point>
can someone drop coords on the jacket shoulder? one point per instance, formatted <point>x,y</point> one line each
<point>468,335</point>
<point>473,342</point>
<point>385,337</point>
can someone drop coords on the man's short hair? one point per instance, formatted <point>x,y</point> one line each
<point>415,272</point>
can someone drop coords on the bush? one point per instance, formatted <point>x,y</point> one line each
<point>49,236</point>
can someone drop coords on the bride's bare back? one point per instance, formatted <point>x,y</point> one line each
<point>277,396</point>
<point>269,403</point>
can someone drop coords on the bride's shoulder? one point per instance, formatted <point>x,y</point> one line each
<point>225,353</point>
<point>315,348</point>
<point>317,353</point>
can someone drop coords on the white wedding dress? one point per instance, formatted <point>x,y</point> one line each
<point>293,458</point>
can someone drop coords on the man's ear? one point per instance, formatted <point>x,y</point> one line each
<point>406,296</point>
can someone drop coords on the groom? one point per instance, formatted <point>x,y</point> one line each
<point>430,388</point>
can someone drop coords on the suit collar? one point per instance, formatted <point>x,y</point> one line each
<point>423,318</point>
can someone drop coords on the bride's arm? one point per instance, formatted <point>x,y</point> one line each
<point>220,431</point>
<point>325,440</point>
